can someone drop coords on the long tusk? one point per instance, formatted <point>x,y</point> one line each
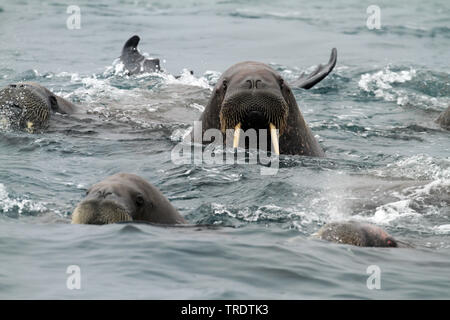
<point>274,138</point>
<point>237,132</point>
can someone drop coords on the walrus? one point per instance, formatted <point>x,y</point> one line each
<point>252,95</point>
<point>28,106</point>
<point>134,62</point>
<point>357,234</point>
<point>125,197</point>
<point>444,119</point>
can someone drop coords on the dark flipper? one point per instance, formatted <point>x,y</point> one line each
<point>131,43</point>
<point>134,61</point>
<point>307,82</point>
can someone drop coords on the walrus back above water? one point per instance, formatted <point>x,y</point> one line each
<point>357,234</point>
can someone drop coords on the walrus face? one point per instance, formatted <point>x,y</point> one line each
<point>25,106</point>
<point>252,98</point>
<point>111,203</point>
<point>125,197</point>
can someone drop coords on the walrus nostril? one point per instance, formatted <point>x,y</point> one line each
<point>254,83</point>
<point>103,193</point>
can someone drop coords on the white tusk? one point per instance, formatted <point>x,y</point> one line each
<point>237,132</point>
<point>274,138</point>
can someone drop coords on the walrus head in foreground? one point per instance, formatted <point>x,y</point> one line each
<point>28,106</point>
<point>125,197</point>
<point>251,95</point>
<point>357,234</point>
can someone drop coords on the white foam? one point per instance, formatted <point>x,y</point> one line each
<point>387,213</point>
<point>380,83</point>
<point>180,134</point>
<point>8,204</point>
<point>276,14</point>
<point>384,78</point>
<point>417,167</point>
<point>186,78</point>
<point>442,229</point>
<point>212,76</point>
<point>197,106</point>
<point>437,186</point>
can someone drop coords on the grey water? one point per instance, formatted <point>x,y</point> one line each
<point>387,163</point>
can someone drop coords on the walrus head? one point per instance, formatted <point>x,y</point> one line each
<point>252,95</point>
<point>125,197</point>
<point>356,233</point>
<point>252,98</point>
<point>28,106</point>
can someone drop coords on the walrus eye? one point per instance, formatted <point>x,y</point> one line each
<point>281,83</point>
<point>391,242</point>
<point>140,200</point>
<point>225,84</point>
<point>53,103</point>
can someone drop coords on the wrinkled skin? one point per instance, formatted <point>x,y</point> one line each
<point>255,95</point>
<point>134,61</point>
<point>28,106</point>
<point>444,119</point>
<point>357,234</point>
<point>125,197</point>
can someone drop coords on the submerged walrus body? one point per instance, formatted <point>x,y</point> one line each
<point>357,234</point>
<point>251,96</point>
<point>28,106</point>
<point>125,197</point>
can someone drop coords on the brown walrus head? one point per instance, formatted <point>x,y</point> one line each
<point>125,197</point>
<point>27,105</point>
<point>252,97</point>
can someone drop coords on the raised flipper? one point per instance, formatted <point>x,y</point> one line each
<point>134,61</point>
<point>309,81</point>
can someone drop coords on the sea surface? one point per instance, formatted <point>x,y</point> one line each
<point>387,162</point>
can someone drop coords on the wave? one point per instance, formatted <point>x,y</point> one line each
<point>16,207</point>
<point>403,31</point>
<point>408,87</point>
<point>261,14</point>
<point>417,167</point>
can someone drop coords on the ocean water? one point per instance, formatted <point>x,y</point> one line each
<point>387,163</point>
